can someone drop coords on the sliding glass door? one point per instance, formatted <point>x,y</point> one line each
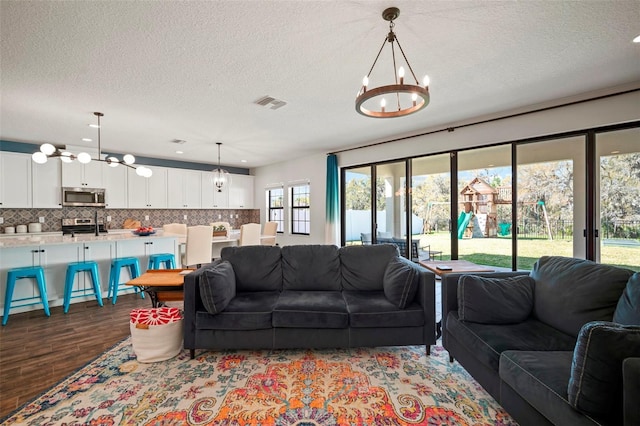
<point>618,200</point>
<point>484,206</point>
<point>431,206</point>
<point>551,200</point>
<point>357,206</point>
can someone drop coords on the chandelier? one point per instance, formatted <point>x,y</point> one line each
<point>405,98</point>
<point>48,150</point>
<point>221,177</point>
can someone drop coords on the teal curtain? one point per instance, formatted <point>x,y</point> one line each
<point>332,202</point>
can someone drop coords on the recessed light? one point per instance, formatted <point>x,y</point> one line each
<point>179,152</point>
<point>243,161</point>
<point>615,152</point>
<point>490,165</point>
<point>637,39</point>
<point>95,126</point>
<point>87,140</point>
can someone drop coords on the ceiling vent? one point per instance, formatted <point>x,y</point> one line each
<point>269,101</point>
<point>179,141</point>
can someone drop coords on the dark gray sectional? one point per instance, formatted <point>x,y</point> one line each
<point>309,296</point>
<point>574,358</point>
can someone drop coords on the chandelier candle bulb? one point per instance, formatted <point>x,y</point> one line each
<point>365,83</point>
<point>427,80</point>
<point>401,75</point>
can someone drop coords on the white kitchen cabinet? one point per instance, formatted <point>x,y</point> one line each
<point>147,192</point>
<point>78,175</point>
<point>53,259</point>
<point>211,198</point>
<point>115,185</point>
<point>101,252</point>
<point>143,247</point>
<point>15,180</point>
<point>184,189</point>
<point>241,192</point>
<point>46,181</point>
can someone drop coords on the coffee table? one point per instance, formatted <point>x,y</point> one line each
<point>162,285</point>
<point>457,267</point>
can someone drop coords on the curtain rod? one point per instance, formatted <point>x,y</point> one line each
<point>489,120</point>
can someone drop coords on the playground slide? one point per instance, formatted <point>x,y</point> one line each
<point>463,221</point>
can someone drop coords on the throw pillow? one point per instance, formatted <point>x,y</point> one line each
<point>218,287</point>
<point>495,300</point>
<point>595,385</point>
<point>628,309</point>
<point>400,282</point>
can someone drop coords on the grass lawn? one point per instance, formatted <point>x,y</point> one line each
<point>497,251</point>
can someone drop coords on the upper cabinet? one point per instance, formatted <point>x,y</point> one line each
<point>211,198</point>
<point>147,192</point>
<point>184,189</point>
<point>78,175</point>
<point>241,192</point>
<point>115,185</point>
<point>15,180</point>
<point>47,190</point>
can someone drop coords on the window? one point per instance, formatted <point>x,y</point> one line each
<point>300,221</point>
<point>275,199</point>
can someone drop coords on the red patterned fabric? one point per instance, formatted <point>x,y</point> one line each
<point>155,316</point>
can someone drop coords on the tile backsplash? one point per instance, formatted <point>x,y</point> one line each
<point>53,217</point>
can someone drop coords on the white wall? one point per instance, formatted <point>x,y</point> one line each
<point>599,112</point>
<point>311,169</point>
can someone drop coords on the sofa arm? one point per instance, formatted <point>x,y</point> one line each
<point>193,303</point>
<point>449,292</point>
<point>631,391</point>
<point>426,297</point>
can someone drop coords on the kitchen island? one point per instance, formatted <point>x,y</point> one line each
<point>54,251</point>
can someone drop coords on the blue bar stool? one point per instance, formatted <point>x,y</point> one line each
<point>156,261</point>
<point>72,269</point>
<point>13,275</point>
<point>114,276</point>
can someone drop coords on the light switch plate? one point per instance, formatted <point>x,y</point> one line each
<point>108,218</point>
<point>219,216</point>
<point>41,219</point>
<point>1,220</point>
<point>146,217</point>
<point>185,217</point>
<point>236,216</point>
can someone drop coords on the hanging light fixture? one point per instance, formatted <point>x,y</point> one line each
<point>221,177</point>
<point>48,150</point>
<point>404,98</point>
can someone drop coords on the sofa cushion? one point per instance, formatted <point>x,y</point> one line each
<point>400,282</point>
<point>628,308</point>
<point>363,267</point>
<point>541,379</point>
<point>373,309</point>
<point>488,341</point>
<point>571,292</point>
<point>247,311</point>
<point>311,267</point>
<point>257,268</point>
<point>495,300</point>
<point>596,372</point>
<point>217,287</point>
<point>310,309</point>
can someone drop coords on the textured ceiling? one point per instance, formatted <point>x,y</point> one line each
<point>166,70</point>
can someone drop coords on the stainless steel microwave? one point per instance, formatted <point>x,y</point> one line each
<point>89,197</point>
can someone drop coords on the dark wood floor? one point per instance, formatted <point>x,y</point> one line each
<point>36,351</point>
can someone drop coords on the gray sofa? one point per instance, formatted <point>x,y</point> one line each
<point>309,296</point>
<point>559,345</point>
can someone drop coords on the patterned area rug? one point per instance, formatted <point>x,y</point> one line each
<point>366,386</point>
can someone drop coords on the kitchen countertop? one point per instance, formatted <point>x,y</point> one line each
<point>52,238</point>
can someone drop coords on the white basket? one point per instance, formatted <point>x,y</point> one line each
<point>153,343</point>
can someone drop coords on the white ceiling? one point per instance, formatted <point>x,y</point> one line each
<point>167,70</point>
